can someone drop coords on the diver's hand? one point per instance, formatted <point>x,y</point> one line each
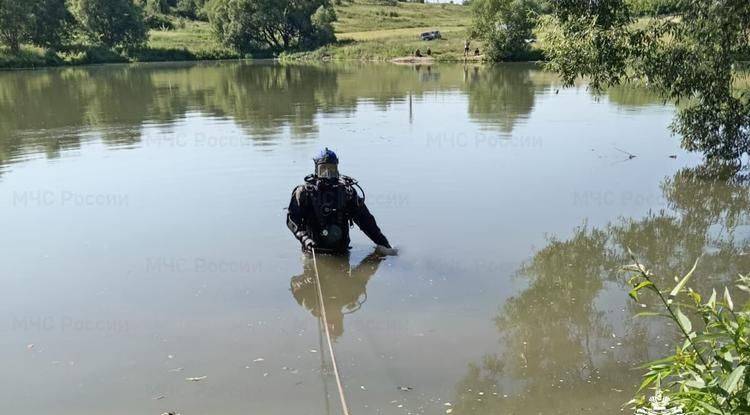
<point>386,250</point>
<point>309,244</point>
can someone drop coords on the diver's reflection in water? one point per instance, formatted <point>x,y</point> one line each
<point>344,287</point>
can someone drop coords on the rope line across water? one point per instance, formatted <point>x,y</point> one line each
<point>342,397</point>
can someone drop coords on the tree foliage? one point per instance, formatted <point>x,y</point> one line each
<point>53,23</point>
<point>15,17</point>
<point>689,57</point>
<point>247,25</point>
<point>505,26</point>
<point>322,21</point>
<point>40,22</point>
<point>113,23</point>
<point>191,9</point>
<point>156,7</point>
<point>654,7</point>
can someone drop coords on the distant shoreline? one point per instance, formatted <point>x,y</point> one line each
<point>404,60</point>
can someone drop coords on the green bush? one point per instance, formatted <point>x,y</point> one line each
<point>112,23</point>
<point>322,23</point>
<point>53,24</point>
<point>708,373</point>
<point>158,22</point>
<point>249,25</point>
<point>161,55</point>
<point>653,7</point>
<point>39,22</point>
<point>386,13</point>
<point>191,9</point>
<point>27,57</point>
<point>506,27</point>
<point>155,7</point>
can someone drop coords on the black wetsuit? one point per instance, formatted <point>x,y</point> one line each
<point>323,210</point>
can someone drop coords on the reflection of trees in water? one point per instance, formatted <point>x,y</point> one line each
<point>633,96</point>
<point>48,111</point>
<point>556,335</point>
<point>264,99</point>
<point>501,95</point>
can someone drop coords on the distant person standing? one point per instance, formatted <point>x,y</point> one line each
<point>467,47</point>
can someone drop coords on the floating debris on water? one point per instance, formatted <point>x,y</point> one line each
<point>362,387</point>
<point>158,398</point>
<point>313,351</point>
<point>449,410</point>
<point>197,379</point>
<point>260,359</point>
<point>405,388</point>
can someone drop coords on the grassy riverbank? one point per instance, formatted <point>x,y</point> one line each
<point>190,40</point>
<point>366,30</point>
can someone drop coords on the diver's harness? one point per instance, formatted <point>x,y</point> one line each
<point>312,180</point>
<point>331,216</point>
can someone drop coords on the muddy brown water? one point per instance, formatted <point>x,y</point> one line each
<point>144,242</point>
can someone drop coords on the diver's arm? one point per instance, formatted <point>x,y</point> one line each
<point>295,217</point>
<point>364,219</point>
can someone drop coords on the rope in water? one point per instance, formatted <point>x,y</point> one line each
<point>321,302</point>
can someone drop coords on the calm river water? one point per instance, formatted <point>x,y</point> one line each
<point>142,209</point>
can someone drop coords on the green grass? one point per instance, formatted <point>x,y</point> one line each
<point>385,46</point>
<point>369,30</point>
<point>189,38</point>
<point>363,16</point>
<point>29,57</point>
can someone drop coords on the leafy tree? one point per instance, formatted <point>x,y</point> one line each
<point>112,22</point>
<point>505,26</point>
<point>322,22</point>
<point>654,7</point>
<point>15,26</point>
<point>156,7</point>
<point>690,56</point>
<point>52,24</point>
<point>41,22</point>
<point>191,9</point>
<point>246,25</point>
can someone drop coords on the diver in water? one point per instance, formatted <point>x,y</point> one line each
<point>345,287</point>
<point>324,208</point>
